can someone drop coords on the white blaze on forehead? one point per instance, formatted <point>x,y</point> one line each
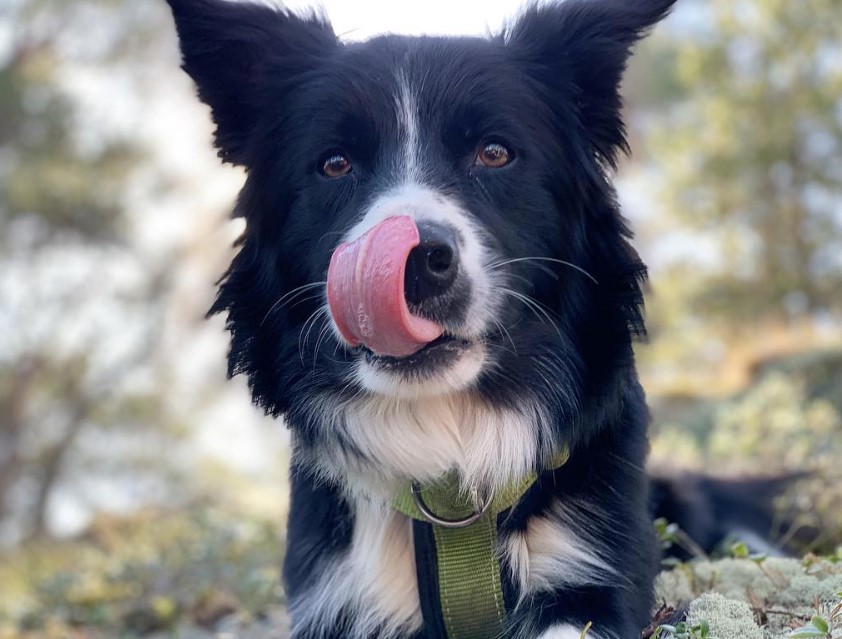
<point>407,116</point>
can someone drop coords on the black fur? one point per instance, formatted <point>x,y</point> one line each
<point>284,92</point>
<point>712,510</point>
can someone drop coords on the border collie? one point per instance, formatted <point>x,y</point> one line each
<point>435,278</point>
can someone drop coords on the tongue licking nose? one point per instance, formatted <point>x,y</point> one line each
<point>365,291</point>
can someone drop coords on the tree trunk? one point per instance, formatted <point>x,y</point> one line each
<point>51,468</point>
<point>13,410</point>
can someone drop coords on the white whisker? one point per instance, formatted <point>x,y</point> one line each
<point>545,259</point>
<point>291,295</point>
<point>314,317</point>
<point>538,309</point>
<point>323,333</point>
<point>504,330</point>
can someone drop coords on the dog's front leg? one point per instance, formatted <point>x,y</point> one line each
<point>566,631</point>
<point>566,615</point>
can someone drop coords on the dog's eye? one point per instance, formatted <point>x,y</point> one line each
<point>494,155</point>
<point>336,165</point>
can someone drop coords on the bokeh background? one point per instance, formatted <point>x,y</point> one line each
<point>139,490</point>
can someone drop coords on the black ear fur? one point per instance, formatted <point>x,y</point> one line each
<point>581,48</point>
<point>243,57</point>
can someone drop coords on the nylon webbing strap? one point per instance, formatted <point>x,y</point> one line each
<point>470,590</point>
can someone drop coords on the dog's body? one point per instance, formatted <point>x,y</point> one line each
<point>500,150</point>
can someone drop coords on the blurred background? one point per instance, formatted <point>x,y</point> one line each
<point>140,491</point>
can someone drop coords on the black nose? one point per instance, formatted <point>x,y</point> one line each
<point>432,266</point>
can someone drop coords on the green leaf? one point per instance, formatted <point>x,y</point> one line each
<point>821,624</point>
<point>739,550</point>
<point>807,632</point>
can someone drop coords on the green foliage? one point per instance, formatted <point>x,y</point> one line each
<point>52,178</point>
<point>683,630</point>
<point>822,626</point>
<point>129,578</point>
<point>777,427</point>
<point>740,550</point>
<point>818,629</point>
<point>670,534</point>
<point>748,153</point>
<point>819,371</point>
<point>777,423</point>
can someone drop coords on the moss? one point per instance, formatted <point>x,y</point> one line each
<point>728,618</point>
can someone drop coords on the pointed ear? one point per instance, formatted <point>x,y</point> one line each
<point>244,57</point>
<point>580,48</point>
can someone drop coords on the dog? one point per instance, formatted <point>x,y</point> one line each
<point>436,289</point>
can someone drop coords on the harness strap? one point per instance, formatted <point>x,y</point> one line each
<point>470,592</point>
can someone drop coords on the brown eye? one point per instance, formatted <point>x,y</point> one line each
<point>494,156</point>
<point>336,166</point>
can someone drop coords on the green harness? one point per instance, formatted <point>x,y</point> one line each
<point>468,565</point>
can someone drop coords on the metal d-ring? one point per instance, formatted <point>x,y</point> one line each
<point>480,508</point>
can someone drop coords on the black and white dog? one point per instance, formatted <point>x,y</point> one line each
<point>435,277</point>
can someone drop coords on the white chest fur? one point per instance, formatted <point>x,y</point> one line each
<point>398,439</point>
<point>374,581</point>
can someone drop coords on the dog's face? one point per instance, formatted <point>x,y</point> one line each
<point>425,216</point>
<point>451,135</point>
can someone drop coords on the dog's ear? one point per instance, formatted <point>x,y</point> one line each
<point>244,58</point>
<point>579,49</point>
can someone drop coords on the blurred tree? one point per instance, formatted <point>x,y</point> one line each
<point>750,146</point>
<point>80,320</point>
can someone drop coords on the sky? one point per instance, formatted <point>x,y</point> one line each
<point>359,19</point>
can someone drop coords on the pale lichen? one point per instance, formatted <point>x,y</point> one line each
<point>727,618</point>
<point>776,592</point>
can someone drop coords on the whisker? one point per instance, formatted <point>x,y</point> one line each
<point>499,347</point>
<point>292,295</point>
<point>504,330</point>
<point>541,267</point>
<point>537,309</point>
<point>323,333</point>
<point>526,280</point>
<point>314,317</point>
<point>546,259</point>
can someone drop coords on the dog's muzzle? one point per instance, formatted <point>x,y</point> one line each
<point>392,289</point>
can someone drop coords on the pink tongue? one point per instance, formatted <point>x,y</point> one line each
<point>365,291</point>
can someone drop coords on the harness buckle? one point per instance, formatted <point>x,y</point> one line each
<point>481,506</point>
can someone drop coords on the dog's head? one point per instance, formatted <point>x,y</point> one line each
<point>424,216</point>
